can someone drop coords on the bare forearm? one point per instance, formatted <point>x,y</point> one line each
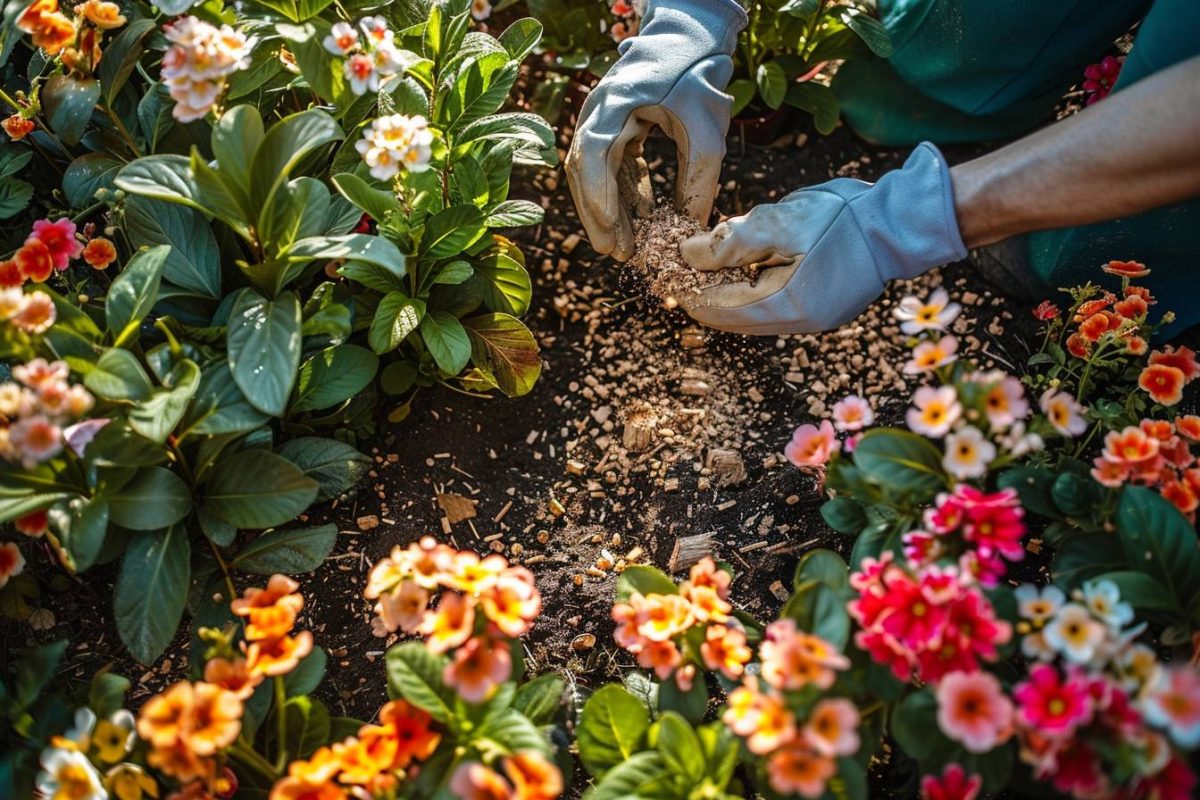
<point>1138,149</point>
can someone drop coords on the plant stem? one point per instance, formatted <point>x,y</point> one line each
<point>224,568</point>
<point>121,129</point>
<point>249,757</point>
<point>18,107</point>
<point>281,719</point>
<point>812,31</point>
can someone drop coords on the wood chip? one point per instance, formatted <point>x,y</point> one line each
<point>690,549</point>
<point>456,507</point>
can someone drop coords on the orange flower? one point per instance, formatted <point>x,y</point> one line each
<point>474,781</point>
<point>705,572</point>
<point>662,657</point>
<point>1182,358</point>
<point>290,788</point>
<point>478,669</point>
<point>403,607</point>
<point>1098,324</point>
<point>215,719</point>
<point>34,260</point>
<point>320,767</point>
<point>707,605</point>
<point>36,313</point>
<point>1160,429</point>
<point>12,563</point>
<point>411,728</point>
<point>1164,384</point>
<point>233,676</point>
<point>451,624</point>
<point>1091,307</point>
<point>99,252</point>
<point>10,274</point>
<point>1078,346</point>
<point>513,602</point>
<point>181,763</point>
<point>1142,292</point>
<point>1132,307</point>
<point>533,776</point>
<point>34,524</point>
<point>795,769</point>
<point>1181,495</point>
<point>164,717</point>
<point>270,612</point>
<point>103,15</point>
<point>832,727</point>
<point>471,575</point>
<point>1126,269</point>
<point>17,127</point>
<point>661,616</point>
<point>1135,345</point>
<point>725,649</point>
<point>764,720</point>
<point>278,656</point>
<point>50,29</point>
<point>365,758</point>
<point>793,660</point>
<point>1189,427</point>
<point>1130,446</point>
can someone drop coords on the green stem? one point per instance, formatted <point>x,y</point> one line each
<point>87,212</point>
<point>281,719</point>
<point>121,129</point>
<point>18,107</point>
<point>249,757</point>
<point>233,593</point>
<point>812,30</point>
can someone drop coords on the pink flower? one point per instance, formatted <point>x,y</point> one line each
<point>934,411</point>
<point>59,239</point>
<point>1172,702</point>
<point>1109,473</point>
<point>81,434</point>
<point>35,439</point>
<point>474,781</point>
<point>1051,705</point>
<point>929,355</point>
<point>973,710</point>
<point>623,29</point>
<point>852,413</point>
<point>811,446</point>
<point>1046,311</point>
<point>479,667</point>
<point>1005,401</point>
<point>1100,78</point>
<point>832,728</point>
<point>954,784</point>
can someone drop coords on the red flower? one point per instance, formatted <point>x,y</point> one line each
<point>954,784</point>
<point>34,261</point>
<point>1078,346</point>
<point>1126,269</point>
<point>1085,310</point>
<point>1135,345</point>
<point>1133,307</point>
<point>59,239</point>
<point>1098,324</point>
<point>1100,78</point>
<point>10,274</point>
<point>1163,383</point>
<point>1182,358</point>
<point>17,127</point>
<point>1046,311</point>
<point>34,524</point>
<point>1140,291</point>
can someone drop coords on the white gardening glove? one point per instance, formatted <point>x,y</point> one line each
<point>840,242</point>
<point>672,74</point>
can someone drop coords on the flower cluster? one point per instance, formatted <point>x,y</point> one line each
<point>980,530</point>
<point>37,409</point>
<point>926,624</point>
<point>528,775</point>
<point>1096,701</point>
<point>269,614</point>
<point>396,142</point>
<point>92,758</point>
<point>50,246</point>
<point>199,61</point>
<point>1099,78</point>
<point>656,627</point>
<point>799,740</point>
<point>625,22</point>
<point>76,41</point>
<point>1157,454</point>
<point>369,51</point>
<point>373,762</point>
<point>482,602</point>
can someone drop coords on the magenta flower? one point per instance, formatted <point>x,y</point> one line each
<point>954,784</point>
<point>1052,705</point>
<point>59,239</point>
<point>1099,78</point>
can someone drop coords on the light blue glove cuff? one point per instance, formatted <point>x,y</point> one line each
<point>906,221</point>
<point>710,26</point>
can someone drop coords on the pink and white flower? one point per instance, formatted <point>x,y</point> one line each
<point>198,62</point>
<point>968,453</point>
<point>342,39</point>
<point>973,710</point>
<point>811,446</point>
<point>934,412</point>
<point>852,413</point>
<point>929,355</point>
<point>1063,412</point>
<point>934,314</point>
<point>1075,634</point>
<point>396,142</point>
<point>1172,702</point>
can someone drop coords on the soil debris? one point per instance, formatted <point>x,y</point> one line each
<point>658,260</point>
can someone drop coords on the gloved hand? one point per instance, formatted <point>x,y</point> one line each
<point>841,242</point>
<point>672,74</point>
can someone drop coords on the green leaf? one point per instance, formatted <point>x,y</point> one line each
<point>290,552</point>
<point>134,292</point>
<point>640,777</point>
<point>690,705</point>
<point>38,665</point>
<point>118,375</point>
<point>316,63</point>
<point>398,377</point>
<point>214,193</point>
<point>612,728</point>
<point>415,674</point>
<point>164,177</point>
<point>235,138</point>
<point>376,203</point>
<point>1075,495</point>
<point>541,698</point>
<point>219,406</point>
<point>1083,556</point>
<point>453,273</point>
<point>258,489</point>
<point>106,693</point>
<point>679,746</point>
<point>503,347</point>
<point>817,100</point>
<point>915,728</point>
<point>901,461</point>
<point>772,84</point>
<point>306,726</point>
<point>514,214</point>
<point>742,90</point>
<point>506,285</point>
<point>451,231</point>
<point>15,195</point>
<point>156,498</point>
<point>333,376</point>
<point>156,417</point>
<point>395,318</point>
<point>870,30</point>
<point>307,675</point>
<point>514,732</point>
<point>68,102</point>
<point>121,56</point>
<point>335,466</point>
<point>824,566</point>
<point>86,175</point>
<point>285,145</point>
<point>1160,542</point>
<point>154,115</point>
<point>521,37</point>
<point>820,609</point>
<point>151,591</point>
<point>1033,486</point>
<point>82,529</point>
<point>644,580</point>
<point>193,262</point>
<point>447,341</point>
<point>351,247</point>
<point>264,348</point>
<point>479,89</point>
<point>844,515</point>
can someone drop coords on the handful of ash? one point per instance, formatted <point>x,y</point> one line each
<point>657,258</point>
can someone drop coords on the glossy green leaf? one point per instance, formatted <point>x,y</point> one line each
<point>258,489</point>
<point>118,375</point>
<point>263,341</point>
<point>772,84</point>
<point>193,262</point>
<point>612,728</point>
<point>447,341</point>
<point>334,465</point>
<point>121,55</point>
<point>290,552</point>
<point>306,728</point>
<point>156,498</point>
<point>134,292</point>
<point>817,100</point>
<point>451,231</point>
<point>521,37</point>
<point>86,175</point>
<point>901,461</point>
<point>376,203</point>
<point>541,699</point>
<point>395,318</point>
<point>69,102</point>
<point>415,674</point>
<point>235,139</point>
<point>870,30</point>
<point>284,146</point>
<point>333,376</point>
<point>156,417</point>
<point>151,591</point>
<point>1160,542</point>
<point>81,530</point>
<point>644,580</point>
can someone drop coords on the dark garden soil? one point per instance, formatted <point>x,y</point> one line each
<point>549,476</point>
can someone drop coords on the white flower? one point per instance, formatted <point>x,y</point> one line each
<point>928,356</point>
<point>968,453</point>
<point>1075,634</point>
<point>1064,413</point>
<point>1139,667</point>
<point>1005,401</point>
<point>396,142</point>
<point>376,30</point>
<point>10,302</point>
<point>200,58</point>
<point>35,439</point>
<point>1034,645</point>
<point>68,773</point>
<point>852,413</point>
<point>359,69</point>
<point>1103,599</point>
<point>481,9</point>
<point>81,732</point>
<point>1038,606</point>
<point>1020,443</point>
<point>935,411</point>
<point>387,59</point>
<point>342,39</point>
<point>934,314</point>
